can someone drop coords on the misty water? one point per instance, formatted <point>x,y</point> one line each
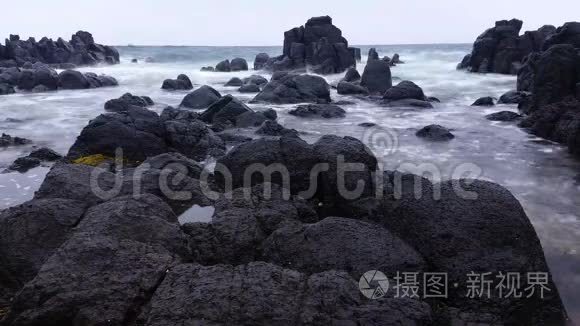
<point>541,174</point>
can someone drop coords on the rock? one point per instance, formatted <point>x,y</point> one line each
<point>239,64</point>
<point>435,133</point>
<point>484,101</point>
<point>127,100</point>
<point>45,154</point>
<point>270,114</point>
<point>81,50</point>
<point>513,97</point>
<point>569,33</point>
<point>396,59</point>
<point>111,239</point>
<point>181,83</point>
<point>559,122</point>
<point>551,76</point>
<point>450,244</point>
<point>235,81</point>
<point>286,88</point>
<point>40,89</point>
<point>23,164</point>
<point>346,88</point>
<point>138,132</point>
<point>7,140</point>
<point>6,89</point>
<point>209,68</point>
<point>194,139</point>
<point>171,113</point>
<point>373,55</point>
<point>134,60</point>
<point>503,116</point>
<point>367,124</point>
<point>377,77</point>
<point>351,75</point>
<point>409,103</point>
<point>273,128</point>
<point>261,60</point>
<point>250,88</point>
<point>30,233</point>
<point>250,119</point>
<point>404,90</point>
<point>318,45</point>
<point>318,247</point>
<point>200,98</point>
<point>72,79</point>
<point>226,109</point>
<point>255,80</point>
<point>327,111</point>
<point>292,298</point>
<point>38,75</point>
<point>223,66</point>
<point>433,99</point>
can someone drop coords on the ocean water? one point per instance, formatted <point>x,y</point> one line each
<point>541,174</point>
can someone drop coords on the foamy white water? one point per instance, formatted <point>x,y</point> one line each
<point>541,174</point>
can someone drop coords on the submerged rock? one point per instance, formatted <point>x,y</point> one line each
<point>484,101</point>
<point>7,140</point>
<point>503,116</point>
<point>435,133</point>
<point>327,111</point>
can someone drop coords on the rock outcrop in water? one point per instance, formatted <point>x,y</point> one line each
<point>501,49</point>
<point>318,45</point>
<point>119,256</point>
<point>288,88</point>
<point>81,50</point>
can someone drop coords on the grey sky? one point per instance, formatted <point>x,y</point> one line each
<point>262,22</point>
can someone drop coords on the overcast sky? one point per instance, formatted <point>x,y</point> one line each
<point>262,22</point>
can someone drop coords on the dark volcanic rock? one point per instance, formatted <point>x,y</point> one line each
<point>377,77</point>
<point>6,89</point>
<point>373,54</point>
<point>200,98</point>
<point>181,83</point>
<point>235,81</point>
<point>318,45</point>
<point>81,50</point>
<point>117,256</point>
<point>223,66</point>
<point>569,33</point>
<point>7,140</point>
<point>193,139</point>
<point>484,101</point>
<point>139,132</point>
<point>249,88</point>
<point>255,80</point>
<point>226,109</point>
<point>346,88</point>
<point>327,111</point>
<point>411,103</point>
<point>72,79</point>
<point>501,49</point>
<point>286,88</point>
<point>404,90</point>
<point>291,298</point>
<point>464,239</point>
<point>513,97</point>
<point>127,100</point>
<point>209,68</point>
<point>319,247</point>
<point>238,64</point>
<point>351,75</point>
<point>503,116</point>
<point>23,164</point>
<point>273,128</point>
<point>261,60</point>
<point>435,133</point>
<point>45,154</point>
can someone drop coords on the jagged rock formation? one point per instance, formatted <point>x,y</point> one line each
<point>501,49</point>
<point>81,50</point>
<point>318,45</point>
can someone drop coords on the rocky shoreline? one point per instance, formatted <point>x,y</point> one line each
<point>101,242</point>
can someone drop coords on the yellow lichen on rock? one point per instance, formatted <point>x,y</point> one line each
<point>93,160</point>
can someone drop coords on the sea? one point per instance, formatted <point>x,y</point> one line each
<point>543,176</point>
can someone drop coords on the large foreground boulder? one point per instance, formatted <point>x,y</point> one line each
<point>454,225</point>
<point>288,88</point>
